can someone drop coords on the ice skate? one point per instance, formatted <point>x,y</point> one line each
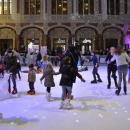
<point>68,105</point>
<point>14,91</point>
<point>93,82</point>
<point>31,92</point>
<point>99,80</point>
<point>62,105</point>
<point>48,97</point>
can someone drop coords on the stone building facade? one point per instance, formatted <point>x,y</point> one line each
<point>91,24</point>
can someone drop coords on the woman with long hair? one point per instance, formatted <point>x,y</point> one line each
<point>122,60</point>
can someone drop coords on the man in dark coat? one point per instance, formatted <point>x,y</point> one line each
<point>12,68</point>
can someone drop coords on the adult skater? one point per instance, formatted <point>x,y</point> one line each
<point>95,69</point>
<point>74,56</point>
<point>12,69</point>
<point>68,72</point>
<point>111,68</point>
<point>122,60</point>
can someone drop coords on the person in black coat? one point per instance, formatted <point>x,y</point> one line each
<point>38,60</point>
<point>68,72</point>
<point>111,68</point>
<point>12,68</point>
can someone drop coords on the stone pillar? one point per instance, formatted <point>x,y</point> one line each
<point>104,10</point>
<point>17,42</point>
<point>96,7</point>
<point>122,11</point>
<point>100,41</point>
<point>128,6</point>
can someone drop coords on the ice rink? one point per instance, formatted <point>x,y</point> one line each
<point>94,107</point>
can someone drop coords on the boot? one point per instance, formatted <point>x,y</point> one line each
<point>108,86</point>
<point>99,80</point>
<point>68,105</point>
<point>118,91</point>
<point>28,92</point>
<point>93,82</point>
<point>32,92</point>
<point>62,105</point>
<point>125,90</point>
<point>48,97</point>
<point>14,91</point>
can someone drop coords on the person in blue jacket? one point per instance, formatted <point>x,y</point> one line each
<point>96,75</point>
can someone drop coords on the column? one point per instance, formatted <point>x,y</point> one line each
<point>104,10</point>
<point>122,11</point>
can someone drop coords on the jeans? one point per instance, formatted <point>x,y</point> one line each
<point>31,86</point>
<point>66,89</point>
<point>111,70</point>
<point>122,72</point>
<point>95,73</point>
<point>12,78</point>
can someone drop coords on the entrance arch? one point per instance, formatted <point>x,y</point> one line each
<point>31,34</point>
<point>59,37</point>
<point>113,36</point>
<point>87,39</point>
<point>7,38</point>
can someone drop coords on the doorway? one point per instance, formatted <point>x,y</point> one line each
<point>5,44</point>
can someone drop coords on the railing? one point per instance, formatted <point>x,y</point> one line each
<point>55,60</point>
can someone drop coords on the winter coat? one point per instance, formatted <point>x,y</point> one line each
<point>67,73</point>
<point>39,57</point>
<point>32,75</point>
<point>95,61</point>
<point>111,65</point>
<point>12,64</point>
<point>49,80</point>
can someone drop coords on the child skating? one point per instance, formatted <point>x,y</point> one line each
<point>31,79</point>
<point>49,80</point>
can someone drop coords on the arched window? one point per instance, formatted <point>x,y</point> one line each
<point>5,7</point>
<point>32,7</point>
<point>126,6</point>
<point>113,7</point>
<point>59,7</point>
<point>86,7</point>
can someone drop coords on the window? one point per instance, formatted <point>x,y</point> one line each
<point>100,6</point>
<point>5,7</point>
<point>126,6</point>
<point>113,7</point>
<point>86,7</point>
<point>32,7</point>
<point>59,7</point>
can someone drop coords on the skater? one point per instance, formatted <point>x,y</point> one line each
<point>95,68</point>
<point>111,68</point>
<point>122,60</point>
<point>38,60</point>
<point>68,72</point>
<point>18,69</point>
<point>49,80</point>
<point>31,79</point>
<point>2,68</point>
<point>12,69</point>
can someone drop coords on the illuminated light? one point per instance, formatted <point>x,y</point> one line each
<point>65,1</point>
<point>87,41</point>
<point>59,5</point>
<point>86,4</point>
<point>64,9</point>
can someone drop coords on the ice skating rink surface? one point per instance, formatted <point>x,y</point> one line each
<point>94,107</point>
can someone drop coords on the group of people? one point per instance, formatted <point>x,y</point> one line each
<point>117,60</point>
